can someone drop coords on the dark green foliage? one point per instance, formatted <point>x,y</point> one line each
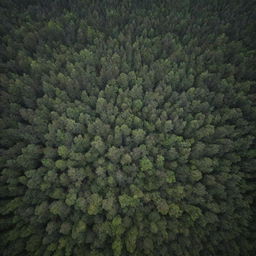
<point>127,128</point>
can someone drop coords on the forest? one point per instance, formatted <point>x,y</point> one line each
<point>128,128</point>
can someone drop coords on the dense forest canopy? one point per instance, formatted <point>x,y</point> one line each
<point>128,128</point>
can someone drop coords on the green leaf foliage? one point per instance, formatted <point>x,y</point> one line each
<point>127,128</point>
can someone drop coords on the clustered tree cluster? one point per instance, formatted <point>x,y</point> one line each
<point>127,128</point>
